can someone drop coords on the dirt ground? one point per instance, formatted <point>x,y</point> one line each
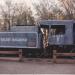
<point>35,67</point>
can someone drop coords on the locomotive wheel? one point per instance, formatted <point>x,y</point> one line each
<point>72,51</point>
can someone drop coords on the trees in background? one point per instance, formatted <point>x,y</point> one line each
<point>68,8</point>
<point>20,14</point>
<point>63,9</point>
<point>24,15</point>
<point>44,9</point>
<point>6,13</point>
<point>16,14</point>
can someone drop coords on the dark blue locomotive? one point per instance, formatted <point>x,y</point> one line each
<point>46,36</point>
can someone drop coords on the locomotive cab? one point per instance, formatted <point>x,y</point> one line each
<point>58,31</point>
<point>52,34</point>
<point>59,34</point>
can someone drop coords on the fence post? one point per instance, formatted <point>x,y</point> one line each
<point>20,54</point>
<point>54,56</point>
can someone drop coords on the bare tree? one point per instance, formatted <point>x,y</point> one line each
<point>7,12</point>
<point>25,15</point>
<point>68,7</point>
<point>44,9</point>
<point>16,13</point>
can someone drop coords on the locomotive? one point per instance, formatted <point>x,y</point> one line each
<point>42,38</point>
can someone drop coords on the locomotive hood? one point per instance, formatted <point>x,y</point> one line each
<point>24,29</point>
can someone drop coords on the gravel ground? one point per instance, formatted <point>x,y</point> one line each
<point>35,67</point>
